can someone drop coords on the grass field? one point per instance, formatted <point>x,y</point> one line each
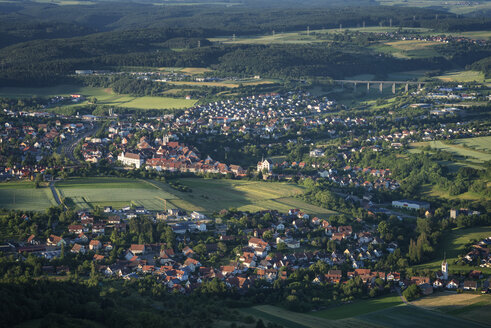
<point>359,307</point>
<point>453,244</point>
<point>463,76</point>
<point>467,306</point>
<point>479,155</point>
<point>207,195</point>
<point>290,319</point>
<point>408,48</point>
<point>225,84</point>
<point>104,97</point>
<point>23,195</point>
<point>411,316</point>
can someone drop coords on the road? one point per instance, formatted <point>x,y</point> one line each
<point>68,147</point>
<point>55,194</point>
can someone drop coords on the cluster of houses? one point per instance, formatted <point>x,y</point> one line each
<point>30,143</point>
<point>479,254</point>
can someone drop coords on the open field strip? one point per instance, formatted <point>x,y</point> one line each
<point>24,195</point>
<point>471,155</point>
<point>359,307</point>
<point>225,84</point>
<point>289,319</point>
<point>463,76</point>
<point>453,244</point>
<point>103,96</point>
<point>301,37</point>
<point>409,316</point>
<point>449,301</point>
<point>207,195</point>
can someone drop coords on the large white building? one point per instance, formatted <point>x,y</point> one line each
<point>411,204</point>
<point>131,159</point>
<point>266,164</point>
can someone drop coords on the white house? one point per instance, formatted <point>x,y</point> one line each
<point>129,159</point>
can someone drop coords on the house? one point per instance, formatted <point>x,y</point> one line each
<point>334,276</point>
<point>137,249</point>
<point>75,228</point>
<point>265,165</point>
<point>470,285</point>
<point>55,241</point>
<point>453,284</point>
<point>257,243</point>
<point>131,159</point>
<point>77,248</point>
<point>95,245</point>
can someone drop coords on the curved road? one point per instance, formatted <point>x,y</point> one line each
<point>68,147</point>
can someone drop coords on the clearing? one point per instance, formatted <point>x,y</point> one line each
<point>207,195</point>
<point>463,76</point>
<point>408,48</point>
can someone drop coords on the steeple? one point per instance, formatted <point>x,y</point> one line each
<point>444,267</point>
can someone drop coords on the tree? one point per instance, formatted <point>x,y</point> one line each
<point>412,292</point>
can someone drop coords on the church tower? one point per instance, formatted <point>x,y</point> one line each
<point>445,269</point>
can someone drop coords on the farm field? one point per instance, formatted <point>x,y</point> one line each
<point>411,316</point>
<point>453,244</point>
<point>467,306</point>
<point>24,195</point>
<point>478,156</point>
<point>104,97</point>
<point>463,76</point>
<point>290,319</point>
<point>225,84</point>
<point>207,195</point>
<point>408,48</point>
<point>359,307</point>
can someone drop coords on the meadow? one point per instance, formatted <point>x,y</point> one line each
<point>463,76</point>
<point>359,307</point>
<point>408,48</point>
<point>207,196</point>
<point>453,245</point>
<point>23,195</point>
<point>289,319</point>
<point>104,96</point>
<point>479,155</point>
<point>411,316</point>
<point>466,306</point>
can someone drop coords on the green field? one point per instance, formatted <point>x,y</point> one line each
<point>289,319</point>
<point>103,96</point>
<point>23,195</point>
<point>479,155</point>
<point>359,307</point>
<point>408,48</point>
<point>463,76</point>
<point>207,195</point>
<point>411,316</point>
<point>452,245</point>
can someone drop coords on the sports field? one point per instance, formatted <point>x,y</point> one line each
<point>452,245</point>
<point>207,195</point>
<point>23,195</point>
<point>359,307</point>
<point>103,96</point>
